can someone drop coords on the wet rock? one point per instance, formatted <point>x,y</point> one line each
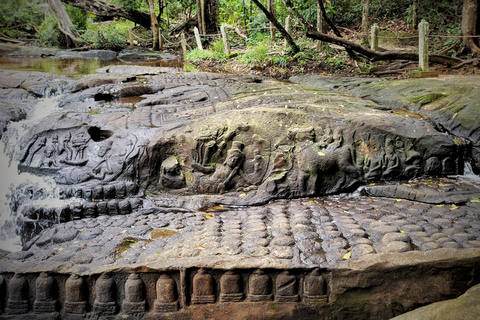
<point>139,53</point>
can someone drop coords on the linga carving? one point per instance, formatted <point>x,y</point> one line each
<point>76,295</point>
<point>46,294</point>
<point>18,292</point>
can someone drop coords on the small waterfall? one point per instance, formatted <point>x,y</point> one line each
<point>469,175</point>
<point>22,193</point>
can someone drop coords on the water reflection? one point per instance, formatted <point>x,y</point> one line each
<point>77,67</point>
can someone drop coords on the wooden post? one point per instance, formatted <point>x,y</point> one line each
<point>374,37</point>
<point>130,37</point>
<point>226,45</point>
<point>423,46</point>
<point>197,37</point>
<point>287,28</point>
<point>184,44</point>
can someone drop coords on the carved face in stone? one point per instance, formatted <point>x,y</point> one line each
<point>233,158</point>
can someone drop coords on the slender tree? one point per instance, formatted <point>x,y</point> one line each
<point>470,25</point>
<point>64,22</point>
<point>365,20</point>
<point>154,22</point>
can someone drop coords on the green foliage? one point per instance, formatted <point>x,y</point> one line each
<point>130,5</point>
<point>338,62</point>
<point>257,54</point>
<point>16,12</point>
<point>80,18</point>
<point>197,55</point>
<point>110,36</point>
<point>49,32</point>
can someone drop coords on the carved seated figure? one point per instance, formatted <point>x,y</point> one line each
<point>225,176</point>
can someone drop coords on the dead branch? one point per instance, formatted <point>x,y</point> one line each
<point>240,32</point>
<point>380,56</point>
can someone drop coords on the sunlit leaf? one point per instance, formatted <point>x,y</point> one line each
<point>475,200</point>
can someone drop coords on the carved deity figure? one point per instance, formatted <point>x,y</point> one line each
<point>49,157</point>
<point>79,143</point>
<point>390,161</point>
<point>226,175</point>
<point>65,146</point>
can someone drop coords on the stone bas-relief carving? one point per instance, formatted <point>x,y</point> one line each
<point>262,154</point>
<point>110,300</point>
<point>240,146</point>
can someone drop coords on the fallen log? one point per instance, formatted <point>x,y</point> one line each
<point>381,56</point>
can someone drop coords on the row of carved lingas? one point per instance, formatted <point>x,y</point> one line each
<point>102,192</point>
<point>203,291</point>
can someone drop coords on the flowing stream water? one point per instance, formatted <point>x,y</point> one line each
<point>18,190</point>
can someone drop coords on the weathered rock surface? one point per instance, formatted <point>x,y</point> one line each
<point>159,170</point>
<point>239,140</point>
<point>466,307</point>
<point>452,103</point>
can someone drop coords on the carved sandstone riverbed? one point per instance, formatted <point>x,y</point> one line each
<point>202,155</point>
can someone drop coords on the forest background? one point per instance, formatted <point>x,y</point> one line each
<point>257,45</point>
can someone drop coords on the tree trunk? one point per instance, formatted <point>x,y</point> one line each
<point>365,20</point>
<point>212,17</point>
<point>102,8</point>
<point>272,12</point>
<point>279,27</point>
<point>414,14</point>
<point>379,56</point>
<point>320,24</point>
<point>154,23</point>
<point>64,22</point>
<point>470,13</point>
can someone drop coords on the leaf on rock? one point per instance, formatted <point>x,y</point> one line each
<point>347,255</point>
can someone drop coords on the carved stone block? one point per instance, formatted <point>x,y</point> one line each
<point>46,294</point>
<point>134,295</point>
<point>286,287</point>
<point>231,287</point>
<point>260,286</point>
<point>166,295</point>
<point>314,287</point>
<point>76,292</point>
<point>203,288</point>
<point>105,291</point>
<point>18,295</point>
